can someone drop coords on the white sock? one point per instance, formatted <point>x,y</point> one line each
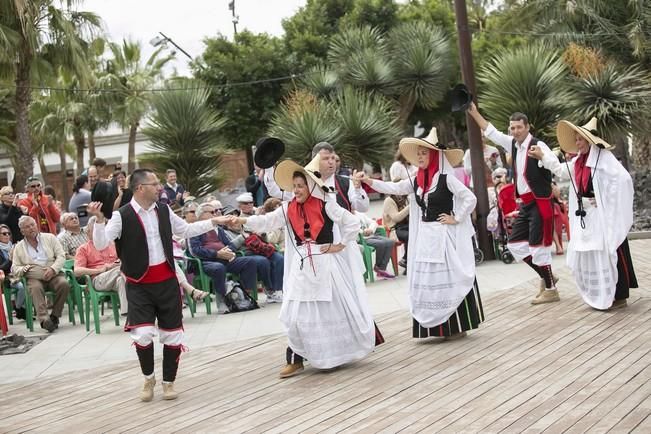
<point>150,376</point>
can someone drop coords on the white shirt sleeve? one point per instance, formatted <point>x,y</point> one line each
<point>551,163</point>
<point>401,188</point>
<point>267,222</point>
<point>183,229</point>
<point>358,197</point>
<point>467,165</point>
<point>104,233</point>
<point>465,200</point>
<point>349,224</point>
<point>272,188</point>
<point>499,138</point>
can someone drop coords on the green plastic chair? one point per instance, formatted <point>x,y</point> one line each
<point>29,306</point>
<point>8,291</point>
<point>93,300</point>
<point>78,296</point>
<point>367,256</point>
<point>200,283</point>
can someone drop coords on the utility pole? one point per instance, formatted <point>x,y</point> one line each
<point>248,149</point>
<point>474,134</point>
<point>236,19</point>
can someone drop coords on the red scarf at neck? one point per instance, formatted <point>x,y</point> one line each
<point>582,172</point>
<point>306,216</point>
<point>424,176</point>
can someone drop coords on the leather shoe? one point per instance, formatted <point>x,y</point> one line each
<point>147,393</point>
<point>48,325</point>
<point>55,321</point>
<point>291,369</point>
<point>547,296</point>
<point>542,284</point>
<point>168,391</point>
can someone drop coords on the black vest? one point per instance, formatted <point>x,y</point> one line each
<point>538,178</point>
<point>132,244</point>
<point>439,201</point>
<point>325,236</point>
<point>341,187</point>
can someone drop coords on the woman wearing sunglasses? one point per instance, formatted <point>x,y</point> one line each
<point>41,207</point>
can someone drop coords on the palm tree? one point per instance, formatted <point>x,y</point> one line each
<point>619,99</point>
<point>129,81</point>
<point>368,127</point>
<point>513,82</point>
<point>35,36</point>
<point>410,65</point>
<point>301,122</point>
<point>185,134</point>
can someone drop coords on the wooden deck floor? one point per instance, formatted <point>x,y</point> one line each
<point>555,368</point>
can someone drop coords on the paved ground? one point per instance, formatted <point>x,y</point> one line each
<point>560,367</point>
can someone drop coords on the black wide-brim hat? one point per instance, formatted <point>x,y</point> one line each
<point>460,97</point>
<point>103,192</point>
<point>268,151</point>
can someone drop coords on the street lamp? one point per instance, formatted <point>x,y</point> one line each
<point>163,40</point>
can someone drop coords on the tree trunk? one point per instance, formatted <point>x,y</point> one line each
<point>43,167</point>
<point>80,145</point>
<point>133,129</point>
<point>621,151</point>
<point>62,173</point>
<point>641,153</point>
<point>24,153</point>
<point>91,145</point>
<point>407,104</point>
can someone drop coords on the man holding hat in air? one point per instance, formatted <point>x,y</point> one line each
<point>532,234</point>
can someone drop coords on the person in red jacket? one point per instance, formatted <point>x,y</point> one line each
<point>40,207</point>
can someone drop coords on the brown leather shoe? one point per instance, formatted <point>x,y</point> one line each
<point>168,391</point>
<point>455,336</point>
<point>291,369</point>
<point>147,393</point>
<point>541,287</point>
<point>547,296</point>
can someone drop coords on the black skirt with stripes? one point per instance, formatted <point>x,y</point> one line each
<point>625,273</point>
<point>468,316</point>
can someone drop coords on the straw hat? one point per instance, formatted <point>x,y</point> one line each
<point>566,133</point>
<point>284,174</point>
<point>409,148</point>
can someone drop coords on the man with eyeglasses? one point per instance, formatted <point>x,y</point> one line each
<point>40,207</point>
<point>143,231</point>
<point>217,254</point>
<point>72,236</point>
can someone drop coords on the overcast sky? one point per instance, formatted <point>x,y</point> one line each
<point>188,22</point>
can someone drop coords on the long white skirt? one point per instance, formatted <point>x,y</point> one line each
<point>332,333</point>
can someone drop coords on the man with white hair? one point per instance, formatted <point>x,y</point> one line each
<point>245,204</point>
<point>103,267</point>
<point>72,236</point>
<point>39,258</point>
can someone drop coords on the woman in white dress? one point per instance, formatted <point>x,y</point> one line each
<point>325,309</point>
<point>601,214</point>
<point>443,293</point>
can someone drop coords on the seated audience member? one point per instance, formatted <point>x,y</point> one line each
<point>395,216</point>
<point>270,267</point>
<point>245,204</point>
<point>276,237</point>
<point>103,267</point>
<point>72,235</point>
<point>40,207</point>
<point>39,257</point>
<point>212,248</point>
<point>10,212</point>
<point>6,252</point>
<point>383,245</point>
